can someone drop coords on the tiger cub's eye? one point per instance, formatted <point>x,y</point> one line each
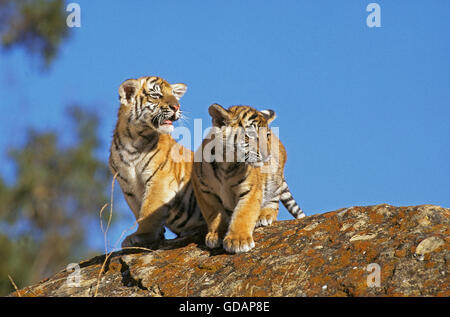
<point>155,95</point>
<point>155,92</point>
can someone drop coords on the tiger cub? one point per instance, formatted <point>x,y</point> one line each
<point>242,188</point>
<point>156,186</point>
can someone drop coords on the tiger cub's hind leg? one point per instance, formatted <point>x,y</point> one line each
<point>144,240</point>
<point>267,217</point>
<point>269,210</point>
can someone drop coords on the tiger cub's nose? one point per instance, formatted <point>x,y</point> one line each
<point>174,107</point>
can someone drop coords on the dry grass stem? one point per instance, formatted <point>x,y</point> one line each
<point>14,285</point>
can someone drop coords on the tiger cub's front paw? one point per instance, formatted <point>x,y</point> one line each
<point>212,240</point>
<point>238,243</point>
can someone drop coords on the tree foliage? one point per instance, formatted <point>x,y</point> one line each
<point>37,25</point>
<point>58,191</point>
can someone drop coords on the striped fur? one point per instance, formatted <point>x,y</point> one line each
<point>289,202</point>
<point>237,196</point>
<point>157,188</point>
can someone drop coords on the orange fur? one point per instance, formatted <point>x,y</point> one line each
<point>234,197</point>
<point>157,187</point>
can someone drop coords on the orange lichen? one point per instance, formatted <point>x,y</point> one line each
<point>310,256</point>
<point>400,253</point>
<point>375,217</point>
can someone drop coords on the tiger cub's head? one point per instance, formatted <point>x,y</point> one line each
<point>151,102</point>
<point>245,130</point>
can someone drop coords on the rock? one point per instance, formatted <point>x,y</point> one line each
<point>330,254</point>
<point>429,245</point>
<point>358,237</point>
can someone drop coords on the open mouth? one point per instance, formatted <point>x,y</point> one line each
<point>169,121</point>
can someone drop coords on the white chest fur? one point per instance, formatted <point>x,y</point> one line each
<point>130,157</point>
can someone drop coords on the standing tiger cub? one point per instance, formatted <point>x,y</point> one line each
<point>156,186</point>
<point>239,185</point>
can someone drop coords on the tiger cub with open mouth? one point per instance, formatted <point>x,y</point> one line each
<point>156,186</point>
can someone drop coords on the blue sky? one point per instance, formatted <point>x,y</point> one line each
<point>364,112</point>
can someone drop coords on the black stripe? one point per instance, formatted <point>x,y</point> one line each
<point>201,169</point>
<point>287,199</point>
<point>149,160</point>
<point>116,145</point>
<point>240,181</point>
<point>129,194</point>
<point>117,142</point>
<point>151,143</point>
<point>141,112</point>
<point>134,159</point>
<point>131,152</point>
<point>244,193</point>
<point>228,211</point>
<point>122,178</point>
<point>214,168</point>
<point>164,164</point>
<point>179,205</point>
<point>231,169</point>
<point>117,139</point>
<point>179,198</point>
<point>213,194</point>
<point>203,183</point>
<point>191,203</point>
<point>190,210</point>
<point>150,177</point>
<point>161,166</point>
<point>111,163</point>
<point>136,109</point>
<point>127,130</point>
<point>148,137</point>
<point>141,107</point>
<point>122,159</point>
<point>253,116</point>
<point>285,190</point>
<point>236,170</point>
<point>180,210</point>
<point>114,166</point>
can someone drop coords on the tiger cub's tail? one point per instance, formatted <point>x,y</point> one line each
<point>289,201</point>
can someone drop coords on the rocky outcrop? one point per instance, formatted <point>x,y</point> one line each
<point>359,251</point>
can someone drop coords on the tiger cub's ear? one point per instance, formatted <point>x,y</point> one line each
<point>219,114</point>
<point>269,115</point>
<point>128,90</point>
<point>178,90</point>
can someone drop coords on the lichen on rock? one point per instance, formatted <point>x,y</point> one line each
<point>321,255</point>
